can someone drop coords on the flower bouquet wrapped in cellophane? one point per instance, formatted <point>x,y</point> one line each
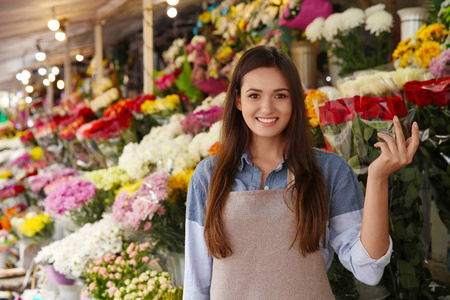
<point>350,127</point>
<point>79,200</point>
<point>430,99</point>
<point>106,137</point>
<point>157,208</point>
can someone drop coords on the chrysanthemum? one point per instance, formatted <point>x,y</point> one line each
<point>331,26</point>
<point>314,30</point>
<point>373,9</point>
<point>427,51</point>
<point>378,22</point>
<point>352,18</point>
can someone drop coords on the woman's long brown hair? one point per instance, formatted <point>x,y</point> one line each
<point>309,200</point>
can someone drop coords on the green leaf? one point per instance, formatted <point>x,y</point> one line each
<point>407,174</point>
<point>185,84</point>
<point>368,131</point>
<point>408,278</point>
<point>354,163</point>
<point>411,195</point>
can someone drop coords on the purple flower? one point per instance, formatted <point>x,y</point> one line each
<point>21,160</point>
<point>38,182</point>
<point>202,120</point>
<point>69,195</point>
<point>440,67</point>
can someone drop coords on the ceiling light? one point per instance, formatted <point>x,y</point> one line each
<point>29,89</point>
<point>28,99</point>
<point>40,56</point>
<point>172,12</point>
<point>42,71</point>
<point>55,70</point>
<point>53,24</point>
<point>60,84</point>
<point>26,74</point>
<point>51,77</point>
<point>46,82</point>
<point>79,57</point>
<point>25,80</point>
<point>60,36</point>
<point>172,2</point>
<point>19,76</point>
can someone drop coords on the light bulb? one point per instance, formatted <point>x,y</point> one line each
<point>25,80</point>
<point>60,36</point>
<point>172,12</point>
<point>19,76</point>
<point>51,77</point>
<point>60,84</point>
<point>53,25</point>
<point>55,70</point>
<point>28,99</point>
<point>40,56</point>
<point>42,71</point>
<point>172,2</point>
<point>79,57</point>
<point>46,82</point>
<point>26,74</point>
<point>29,89</point>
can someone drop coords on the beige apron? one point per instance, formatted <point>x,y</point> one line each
<point>260,228</point>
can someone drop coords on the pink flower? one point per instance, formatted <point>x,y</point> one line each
<point>147,226</point>
<point>145,259</point>
<point>118,275</point>
<point>85,294</point>
<point>112,290</point>
<point>92,286</point>
<point>133,254</point>
<point>130,248</point>
<point>113,268</point>
<point>95,269</point>
<point>111,276</point>
<point>132,262</point>
<point>109,283</point>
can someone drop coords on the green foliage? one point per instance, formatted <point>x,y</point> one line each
<point>185,84</point>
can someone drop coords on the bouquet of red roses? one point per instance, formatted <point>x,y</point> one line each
<point>106,137</point>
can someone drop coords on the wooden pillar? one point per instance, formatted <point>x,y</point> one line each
<point>98,53</point>
<point>148,46</point>
<point>67,70</point>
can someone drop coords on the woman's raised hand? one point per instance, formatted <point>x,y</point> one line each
<point>395,153</point>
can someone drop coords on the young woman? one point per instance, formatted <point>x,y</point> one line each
<point>266,215</point>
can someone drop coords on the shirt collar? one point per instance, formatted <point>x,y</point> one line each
<point>246,159</point>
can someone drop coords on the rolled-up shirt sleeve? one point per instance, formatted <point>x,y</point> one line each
<point>346,210</point>
<point>198,261</point>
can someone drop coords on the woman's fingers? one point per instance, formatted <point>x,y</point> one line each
<point>389,141</point>
<point>413,142</point>
<point>399,136</point>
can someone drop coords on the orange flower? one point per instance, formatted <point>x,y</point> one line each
<point>214,149</point>
<point>310,109</point>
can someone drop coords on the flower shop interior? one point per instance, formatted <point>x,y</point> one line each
<point>108,106</point>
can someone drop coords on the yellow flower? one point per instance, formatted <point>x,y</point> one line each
<point>130,188</point>
<point>180,180</point>
<point>224,54</point>
<point>433,32</point>
<point>6,175</point>
<point>205,17</point>
<point>276,2</point>
<point>310,109</point>
<point>37,153</point>
<point>32,226</point>
<point>427,51</point>
<point>241,25</point>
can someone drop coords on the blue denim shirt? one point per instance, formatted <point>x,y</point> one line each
<point>345,205</point>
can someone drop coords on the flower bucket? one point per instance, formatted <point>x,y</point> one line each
<point>58,278</point>
<point>69,292</point>
<point>412,18</point>
<point>304,55</point>
<point>175,266</point>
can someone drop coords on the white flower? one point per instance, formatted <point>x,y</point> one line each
<point>331,26</point>
<point>378,22</point>
<point>352,18</point>
<point>314,30</point>
<point>373,9</point>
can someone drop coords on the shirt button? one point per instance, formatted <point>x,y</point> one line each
<point>266,187</point>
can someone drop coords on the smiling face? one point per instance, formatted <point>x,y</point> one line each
<point>265,103</point>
